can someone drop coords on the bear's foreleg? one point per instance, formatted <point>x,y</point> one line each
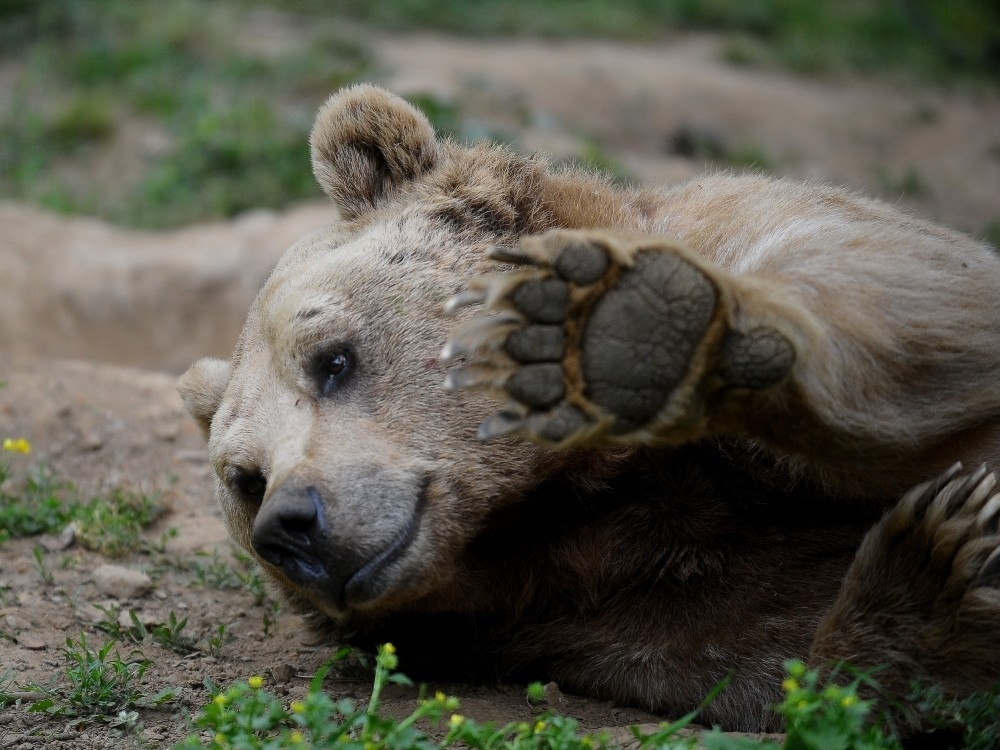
<point>599,337</point>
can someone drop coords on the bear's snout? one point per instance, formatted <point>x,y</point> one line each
<point>290,533</point>
<point>341,554</point>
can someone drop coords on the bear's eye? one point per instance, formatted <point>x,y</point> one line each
<point>248,483</point>
<point>331,368</point>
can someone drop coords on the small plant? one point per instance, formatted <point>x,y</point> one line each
<point>111,624</point>
<point>99,683</point>
<point>252,582</point>
<point>39,507</point>
<point>38,552</point>
<point>221,637</point>
<point>113,526</point>
<point>5,596</point>
<point>216,573</point>
<point>170,635</point>
<point>269,620</point>
<point>250,577</point>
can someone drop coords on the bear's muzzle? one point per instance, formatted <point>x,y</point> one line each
<point>293,534</point>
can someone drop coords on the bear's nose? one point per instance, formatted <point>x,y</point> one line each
<point>290,533</point>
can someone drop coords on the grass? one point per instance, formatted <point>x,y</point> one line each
<point>43,503</point>
<point>229,122</point>
<point>224,114</point>
<point>97,684</point>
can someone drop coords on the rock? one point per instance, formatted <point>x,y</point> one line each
<point>16,624</point>
<point>121,583</point>
<point>52,543</point>
<point>147,619</point>
<point>30,643</point>
<point>283,673</point>
<point>553,695</point>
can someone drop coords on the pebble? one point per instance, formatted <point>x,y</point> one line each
<point>283,673</point>
<point>32,644</point>
<point>59,543</point>
<point>121,583</point>
<point>553,695</point>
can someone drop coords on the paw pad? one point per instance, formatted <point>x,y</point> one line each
<point>596,334</point>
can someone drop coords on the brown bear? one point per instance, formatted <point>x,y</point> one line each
<point>713,397</point>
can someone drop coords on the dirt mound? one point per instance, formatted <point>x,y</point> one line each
<point>78,287</point>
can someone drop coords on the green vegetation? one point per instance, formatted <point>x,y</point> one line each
<point>991,233</point>
<point>97,684</point>
<point>908,183</point>
<point>39,508</point>
<point>203,115</point>
<point>226,119</point>
<point>45,504</point>
<point>927,37</point>
<point>819,717</point>
<point>38,553</point>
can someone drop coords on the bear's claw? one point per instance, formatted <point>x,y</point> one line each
<point>926,574</point>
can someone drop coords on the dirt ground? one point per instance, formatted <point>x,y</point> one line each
<point>96,321</point>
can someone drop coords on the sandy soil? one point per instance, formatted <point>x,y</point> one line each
<point>95,322</point>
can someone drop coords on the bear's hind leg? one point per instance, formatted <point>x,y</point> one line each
<point>608,336</point>
<point>922,598</point>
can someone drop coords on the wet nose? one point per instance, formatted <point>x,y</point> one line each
<point>290,533</point>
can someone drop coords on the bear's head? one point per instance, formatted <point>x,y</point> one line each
<point>342,464</point>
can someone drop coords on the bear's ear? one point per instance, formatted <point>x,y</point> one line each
<point>367,143</point>
<point>201,389</point>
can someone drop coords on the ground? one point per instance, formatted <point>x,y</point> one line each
<point>97,321</point>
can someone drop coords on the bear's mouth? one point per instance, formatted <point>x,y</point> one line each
<point>369,582</point>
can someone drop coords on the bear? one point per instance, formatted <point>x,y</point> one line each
<point>530,424</point>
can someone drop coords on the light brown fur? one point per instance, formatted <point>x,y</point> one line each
<point>639,573</point>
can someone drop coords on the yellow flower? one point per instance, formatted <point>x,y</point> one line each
<point>540,726</point>
<point>389,648</point>
<point>440,697</point>
<point>220,700</point>
<point>456,721</point>
<point>19,445</point>
<point>296,737</point>
<point>255,682</point>
<point>790,684</point>
<point>298,707</point>
<point>220,738</point>
<point>848,700</point>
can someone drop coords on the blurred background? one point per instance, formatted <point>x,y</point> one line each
<point>157,114</point>
<point>186,110</point>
